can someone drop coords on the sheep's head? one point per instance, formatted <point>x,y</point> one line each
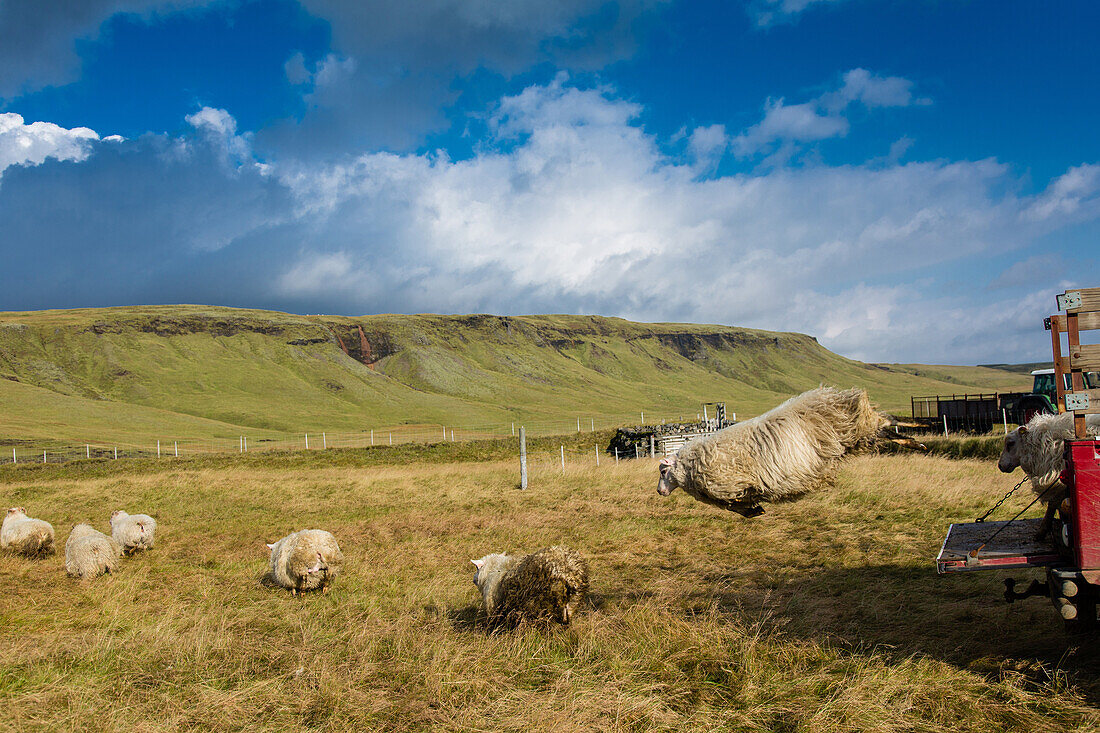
<point>666,483</point>
<point>15,511</point>
<point>117,513</point>
<point>1010,459</point>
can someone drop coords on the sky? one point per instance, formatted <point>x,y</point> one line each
<point>907,181</point>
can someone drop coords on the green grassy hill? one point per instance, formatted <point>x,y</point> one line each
<point>199,371</point>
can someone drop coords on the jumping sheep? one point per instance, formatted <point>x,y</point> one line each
<point>26,536</point>
<point>778,456</point>
<point>134,532</point>
<point>1039,449</point>
<point>546,585</point>
<point>90,553</point>
<point>305,560</point>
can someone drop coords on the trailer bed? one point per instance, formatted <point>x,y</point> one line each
<point>1013,547</point>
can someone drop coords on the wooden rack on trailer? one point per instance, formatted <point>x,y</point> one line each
<point>1072,555</point>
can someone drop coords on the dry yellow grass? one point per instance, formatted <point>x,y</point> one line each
<point>822,615</point>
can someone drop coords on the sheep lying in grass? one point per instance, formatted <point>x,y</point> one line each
<point>134,532</point>
<point>778,456</point>
<point>1039,449</point>
<point>26,536</point>
<point>90,553</point>
<point>547,585</point>
<point>305,560</point>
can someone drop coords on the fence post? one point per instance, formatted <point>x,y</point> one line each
<point>513,430</point>
<point>324,441</point>
<point>597,456</point>
<point>87,451</point>
<point>116,452</point>
<point>563,460</point>
<point>245,443</point>
<point>522,457</point>
<point>372,436</point>
<point>1004,416</point>
<point>444,432</point>
<point>945,426</point>
<point>43,456</point>
<point>578,424</point>
<point>452,435</point>
<point>643,417</point>
<point>616,454</point>
<point>158,449</point>
<point>13,458</point>
<point>592,425</point>
<point>637,453</point>
<point>176,446</point>
<point>242,444</point>
<point>391,438</point>
<point>652,446</point>
<point>307,441</point>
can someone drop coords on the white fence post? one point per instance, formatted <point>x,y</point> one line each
<point>116,452</point>
<point>307,441</point>
<point>391,438</point>
<point>13,458</point>
<point>176,447</point>
<point>652,446</point>
<point>324,442</point>
<point>513,430</point>
<point>597,456</point>
<point>616,454</point>
<point>1004,416</point>
<point>578,424</point>
<point>592,425</point>
<point>87,451</point>
<point>522,457</point>
<point>242,444</point>
<point>563,460</point>
<point>158,449</point>
<point>643,417</point>
<point>245,443</point>
<point>945,426</point>
<point>43,456</point>
<point>372,436</point>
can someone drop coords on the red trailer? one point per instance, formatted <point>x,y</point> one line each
<point>1072,554</point>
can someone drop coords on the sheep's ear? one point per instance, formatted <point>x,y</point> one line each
<point>270,547</point>
<point>478,563</point>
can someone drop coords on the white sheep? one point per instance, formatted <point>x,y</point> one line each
<point>26,536</point>
<point>546,585</point>
<point>305,560</point>
<point>134,532</point>
<point>777,456</point>
<point>1039,449</point>
<point>89,553</point>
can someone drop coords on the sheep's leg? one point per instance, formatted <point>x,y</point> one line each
<point>1048,518</point>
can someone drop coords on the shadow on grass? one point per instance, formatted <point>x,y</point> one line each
<point>902,611</point>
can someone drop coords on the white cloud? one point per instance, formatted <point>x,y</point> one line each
<point>785,126</point>
<point>32,144</point>
<point>770,12</point>
<point>572,208</point>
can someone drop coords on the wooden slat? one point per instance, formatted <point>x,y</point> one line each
<point>1094,401</point>
<point>1085,358</point>
<point>1090,299</point>
<point>1057,328</point>
<point>1085,321</point>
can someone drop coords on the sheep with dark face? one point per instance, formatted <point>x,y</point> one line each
<point>26,536</point>
<point>778,456</point>
<point>1039,449</point>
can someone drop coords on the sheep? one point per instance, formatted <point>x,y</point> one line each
<point>305,560</point>
<point>547,585</point>
<point>26,536</point>
<point>89,553</point>
<point>1039,449</point>
<point>778,456</point>
<point>134,532</point>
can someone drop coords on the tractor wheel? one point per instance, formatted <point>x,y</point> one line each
<point>1030,410</point>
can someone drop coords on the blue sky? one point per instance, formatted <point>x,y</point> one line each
<point>906,181</point>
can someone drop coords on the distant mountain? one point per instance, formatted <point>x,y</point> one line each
<point>211,371</point>
<point>1021,368</point>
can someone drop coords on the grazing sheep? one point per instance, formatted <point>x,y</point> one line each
<point>134,532</point>
<point>90,553</point>
<point>305,560</point>
<point>1039,449</point>
<point>26,536</point>
<point>777,456</point>
<point>547,585</point>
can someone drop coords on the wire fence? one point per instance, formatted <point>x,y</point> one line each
<point>55,451</point>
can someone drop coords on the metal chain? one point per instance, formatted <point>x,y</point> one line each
<point>1002,501</point>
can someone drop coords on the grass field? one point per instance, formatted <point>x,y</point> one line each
<point>821,615</point>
